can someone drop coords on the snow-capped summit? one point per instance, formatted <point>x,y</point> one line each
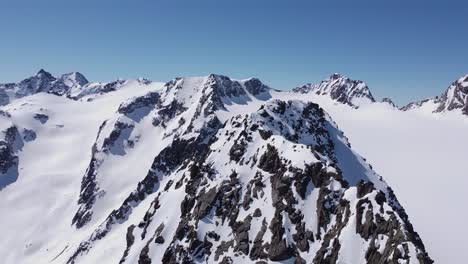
<point>74,79</point>
<point>226,86</point>
<point>219,91</point>
<point>341,89</point>
<point>41,82</point>
<point>455,98</point>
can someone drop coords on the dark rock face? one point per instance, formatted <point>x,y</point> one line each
<point>144,258</point>
<point>29,135</point>
<point>41,117</point>
<point>4,98</point>
<point>259,250</point>
<point>255,86</point>
<point>241,230</point>
<point>147,101</point>
<point>237,151</point>
<point>168,112</point>
<point>7,157</point>
<point>10,143</point>
<point>278,249</point>
<point>130,241</point>
<point>205,203</point>
<point>270,160</point>
<point>89,192</point>
<point>364,188</point>
<point>159,240</point>
<point>223,86</point>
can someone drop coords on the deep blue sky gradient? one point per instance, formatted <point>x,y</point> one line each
<point>405,51</point>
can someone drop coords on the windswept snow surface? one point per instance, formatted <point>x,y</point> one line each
<point>422,156</point>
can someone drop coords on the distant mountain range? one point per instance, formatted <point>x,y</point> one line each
<point>356,93</point>
<point>338,87</point>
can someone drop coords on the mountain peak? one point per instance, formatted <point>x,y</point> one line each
<point>455,97</point>
<point>222,86</point>
<point>41,82</point>
<point>341,89</point>
<point>43,72</point>
<point>335,76</point>
<point>73,79</point>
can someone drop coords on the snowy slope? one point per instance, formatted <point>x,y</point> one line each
<point>198,170</point>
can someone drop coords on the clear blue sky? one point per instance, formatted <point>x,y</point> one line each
<point>405,51</point>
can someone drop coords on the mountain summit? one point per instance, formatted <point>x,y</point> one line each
<point>340,89</point>
<point>456,97</point>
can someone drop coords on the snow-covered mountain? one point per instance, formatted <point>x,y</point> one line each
<point>455,98</point>
<point>197,170</point>
<point>341,89</point>
<point>72,85</point>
